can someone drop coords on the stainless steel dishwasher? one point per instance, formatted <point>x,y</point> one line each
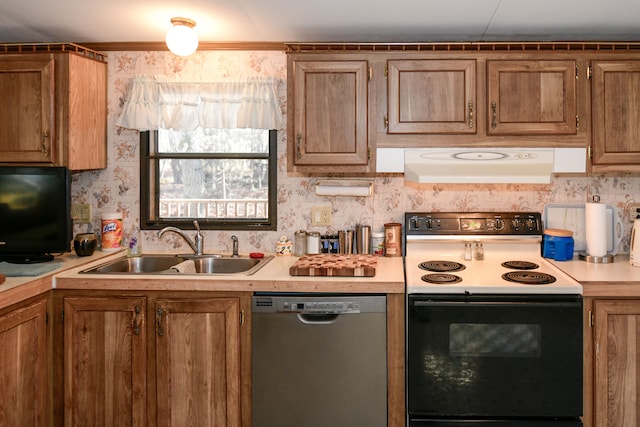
<point>319,360</point>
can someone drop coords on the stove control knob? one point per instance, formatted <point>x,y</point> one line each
<point>499,224</point>
<point>531,224</point>
<point>516,223</point>
<point>429,223</point>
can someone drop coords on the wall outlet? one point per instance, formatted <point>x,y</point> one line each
<point>81,213</point>
<point>633,209</point>
<point>321,215</point>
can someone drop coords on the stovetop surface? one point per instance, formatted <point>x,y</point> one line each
<point>500,237</point>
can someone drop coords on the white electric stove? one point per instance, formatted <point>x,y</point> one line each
<point>479,253</point>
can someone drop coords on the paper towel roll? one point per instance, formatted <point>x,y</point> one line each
<point>596,229</point>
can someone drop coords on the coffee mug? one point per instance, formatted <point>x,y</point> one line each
<point>85,243</point>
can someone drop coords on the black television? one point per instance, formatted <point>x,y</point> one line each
<point>35,217</point>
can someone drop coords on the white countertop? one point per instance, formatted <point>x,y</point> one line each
<point>616,279</point>
<point>617,271</point>
<point>273,277</point>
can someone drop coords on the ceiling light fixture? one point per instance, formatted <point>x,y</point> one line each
<point>182,38</point>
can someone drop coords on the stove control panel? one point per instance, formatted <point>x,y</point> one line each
<point>473,223</point>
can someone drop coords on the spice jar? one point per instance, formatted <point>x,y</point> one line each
<point>313,242</point>
<point>300,243</point>
<point>283,246</point>
<point>392,232</point>
<point>377,243</point>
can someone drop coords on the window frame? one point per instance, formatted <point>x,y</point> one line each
<point>146,198</point>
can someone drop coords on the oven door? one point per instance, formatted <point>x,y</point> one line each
<point>494,356</point>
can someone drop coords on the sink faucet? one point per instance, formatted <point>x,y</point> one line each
<point>235,246</point>
<point>196,244</point>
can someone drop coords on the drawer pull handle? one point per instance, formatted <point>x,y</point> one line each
<point>160,312</point>
<point>494,115</point>
<point>136,320</point>
<point>45,145</point>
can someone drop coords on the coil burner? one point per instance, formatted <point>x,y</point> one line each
<point>441,266</point>
<point>529,277</point>
<point>520,265</point>
<point>442,278</point>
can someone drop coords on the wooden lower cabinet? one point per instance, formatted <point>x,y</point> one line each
<point>24,367</point>
<point>104,361</point>
<point>156,359</point>
<point>197,359</point>
<point>612,359</point>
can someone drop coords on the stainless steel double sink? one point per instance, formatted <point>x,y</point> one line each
<point>162,264</point>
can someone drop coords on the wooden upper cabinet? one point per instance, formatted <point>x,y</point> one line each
<point>328,102</point>
<point>26,109</point>
<point>431,96</point>
<point>531,97</point>
<point>82,112</point>
<point>53,110</point>
<point>616,115</point>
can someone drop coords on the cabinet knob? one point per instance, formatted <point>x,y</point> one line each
<point>298,142</point>
<point>470,120</point>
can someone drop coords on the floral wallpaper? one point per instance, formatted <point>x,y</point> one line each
<point>116,188</point>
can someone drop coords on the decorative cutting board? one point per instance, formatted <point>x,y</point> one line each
<point>335,265</point>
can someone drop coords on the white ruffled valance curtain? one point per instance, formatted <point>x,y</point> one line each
<point>250,102</point>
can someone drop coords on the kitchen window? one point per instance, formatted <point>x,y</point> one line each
<point>224,178</point>
<point>207,151</point>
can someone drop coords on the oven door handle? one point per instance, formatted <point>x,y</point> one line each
<point>493,303</point>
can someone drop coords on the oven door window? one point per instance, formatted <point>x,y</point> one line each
<point>499,357</point>
<point>494,340</point>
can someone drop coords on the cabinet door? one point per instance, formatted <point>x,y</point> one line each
<point>23,366</point>
<point>83,129</point>
<point>531,97</point>
<point>26,110</point>
<point>431,96</point>
<point>617,363</point>
<point>104,361</point>
<point>330,113</point>
<point>616,112</point>
<point>198,362</point>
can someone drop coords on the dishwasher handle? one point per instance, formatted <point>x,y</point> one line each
<point>317,318</point>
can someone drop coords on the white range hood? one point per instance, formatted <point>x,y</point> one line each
<point>482,165</point>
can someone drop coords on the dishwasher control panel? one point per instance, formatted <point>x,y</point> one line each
<point>318,304</point>
<point>325,307</point>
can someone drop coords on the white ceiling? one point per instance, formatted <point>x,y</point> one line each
<point>322,20</point>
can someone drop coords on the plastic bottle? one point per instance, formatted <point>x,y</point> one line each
<point>111,226</point>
